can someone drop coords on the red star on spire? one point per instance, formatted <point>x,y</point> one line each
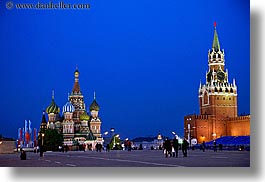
<point>214,23</point>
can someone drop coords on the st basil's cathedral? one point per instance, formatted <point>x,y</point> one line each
<point>76,124</point>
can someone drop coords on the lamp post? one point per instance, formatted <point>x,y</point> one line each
<point>175,135</point>
<point>112,131</point>
<point>214,136</point>
<point>114,141</point>
<point>41,148</point>
<point>189,134</point>
<point>42,138</point>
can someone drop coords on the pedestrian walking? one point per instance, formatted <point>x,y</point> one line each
<point>214,146</point>
<point>175,147</point>
<point>184,147</point>
<point>167,147</point>
<point>23,155</point>
<point>203,146</point>
<point>107,148</point>
<point>220,146</point>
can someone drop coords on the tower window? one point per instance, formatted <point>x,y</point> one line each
<point>229,98</point>
<point>223,98</point>
<point>215,89</point>
<point>217,98</point>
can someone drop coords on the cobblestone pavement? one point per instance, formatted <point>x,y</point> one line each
<point>145,158</point>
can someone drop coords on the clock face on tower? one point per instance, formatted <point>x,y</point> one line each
<point>220,76</point>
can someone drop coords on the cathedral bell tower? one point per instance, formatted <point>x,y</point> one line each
<point>77,100</point>
<point>217,97</point>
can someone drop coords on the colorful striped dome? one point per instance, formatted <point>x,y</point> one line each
<point>68,107</point>
<point>53,108</point>
<point>84,116</point>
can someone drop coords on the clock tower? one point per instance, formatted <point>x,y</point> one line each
<point>218,102</point>
<point>217,97</point>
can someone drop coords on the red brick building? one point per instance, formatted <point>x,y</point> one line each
<point>218,103</point>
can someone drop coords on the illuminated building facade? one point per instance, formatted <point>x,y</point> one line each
<point>218,103</point>
<point>76,124</point>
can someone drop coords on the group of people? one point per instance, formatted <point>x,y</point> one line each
<point>171,147</point>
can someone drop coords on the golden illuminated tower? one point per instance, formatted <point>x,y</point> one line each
<point>77,100</point>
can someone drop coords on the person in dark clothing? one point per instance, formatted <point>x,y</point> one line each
<point>214,146</point>
<point>107,148</point>
<point>175,146</point>
<point>23,155</point>
<point>203,146</point>
<point>185,146</point>
<point>41,151</point>
<point>220,146</point>
<point>129,145</point>
<point>168,147</point>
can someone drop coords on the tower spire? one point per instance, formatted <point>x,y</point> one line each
<point>94,95</point>
<point>76,88</point>
<point>216,44</point>
<point>52,94</point>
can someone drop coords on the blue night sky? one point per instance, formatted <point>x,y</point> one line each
<point>144,59</point>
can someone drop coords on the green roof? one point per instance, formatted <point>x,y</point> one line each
<point>53,108</point>
<point>94,106</point>
<point>216,44</point>
<point>84,116</point>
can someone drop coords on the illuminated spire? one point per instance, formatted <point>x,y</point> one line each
<point>94,95</point>
<point>76,88</point>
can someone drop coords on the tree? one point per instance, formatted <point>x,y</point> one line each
<point>115,143</point>
<point>52,140</point>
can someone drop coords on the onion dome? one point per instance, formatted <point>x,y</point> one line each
<point>84,116</point>
<point>53,108</point>
<point>68,107</point>
<point>94,105</point>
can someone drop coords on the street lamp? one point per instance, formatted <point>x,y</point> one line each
<point>41,148</point>
<point>189,134</point>
<point>42,138</point>
<point>175,135</point>
<point>214,136</point>
<point>112,131</point>
<point>114,142</point>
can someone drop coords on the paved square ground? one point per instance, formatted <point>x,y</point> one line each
<point>144,158</point>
